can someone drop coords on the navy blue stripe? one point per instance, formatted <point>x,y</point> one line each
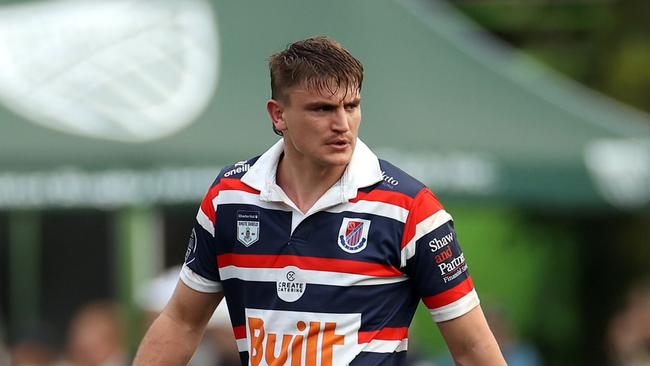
<point>362,359</point>
<point>316,236</point>
<point>380,306</point>
<point>201,254</point>
<point>379,359</point>
<point>397,180</point>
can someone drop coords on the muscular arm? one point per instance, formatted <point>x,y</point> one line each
<point>175,334</point>
<point>470,340</point>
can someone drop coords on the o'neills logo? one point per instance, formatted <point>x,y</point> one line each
<point>290,285</point>
<point>240,167</point>
<point>286,338</point>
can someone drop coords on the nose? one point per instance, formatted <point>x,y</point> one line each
<point>340,120</point>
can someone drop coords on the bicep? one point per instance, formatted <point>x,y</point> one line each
<point>191,307</point>
<point>470,340</point>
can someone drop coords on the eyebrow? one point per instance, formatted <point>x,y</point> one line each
<point>324,103</point>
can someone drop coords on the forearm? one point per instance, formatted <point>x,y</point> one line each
<point>484,352</point>
<point>168,342</point>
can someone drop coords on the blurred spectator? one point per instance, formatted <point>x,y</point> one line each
<point>516,351</point>
<point>4,355</point>
<point>33,347</point>
<point>95,336</point>
<point>628,335</point>
<point>219,347</point>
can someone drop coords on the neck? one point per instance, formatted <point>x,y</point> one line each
<point>303,182</point>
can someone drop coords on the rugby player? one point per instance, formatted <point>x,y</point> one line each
<point>322,250</point>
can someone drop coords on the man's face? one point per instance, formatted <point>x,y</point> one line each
<point>319,127</point>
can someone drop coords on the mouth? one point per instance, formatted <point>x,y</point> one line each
<point>339,143</point>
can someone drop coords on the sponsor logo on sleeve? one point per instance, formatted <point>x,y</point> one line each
<point>441,248</point>
<point>290,285</point>
<point>248,227</point>
<point>454,268</point>
<point>450,266</point>
<point>191,245</point>
<point>353,234</point>
<point>438,243</point>
<point>287,338</point>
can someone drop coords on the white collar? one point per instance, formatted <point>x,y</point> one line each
<point>362,171</point>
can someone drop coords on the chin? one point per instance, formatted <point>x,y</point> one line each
<point>336,161</point>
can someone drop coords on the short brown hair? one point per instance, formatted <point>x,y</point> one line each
<point>320,63</point>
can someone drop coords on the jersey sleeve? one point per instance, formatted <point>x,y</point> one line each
<point>200,270</point>
<point>433,259</point>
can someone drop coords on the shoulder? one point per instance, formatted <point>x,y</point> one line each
<point>234,171</point>
<point>401,189</point>
<point>397,180</point>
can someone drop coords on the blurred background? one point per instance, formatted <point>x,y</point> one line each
<point>529,119</point>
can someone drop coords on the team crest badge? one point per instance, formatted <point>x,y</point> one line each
<point>353,234</point>
<point>248,227</point>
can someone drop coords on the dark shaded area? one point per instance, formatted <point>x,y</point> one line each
<point>77,264</point>
<point>177,223</point>
<point>616,258</point>
<point>4,274</point>
<point>613,256</point>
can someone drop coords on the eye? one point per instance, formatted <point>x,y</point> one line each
<point>323,108</point>
<point>351,107</point>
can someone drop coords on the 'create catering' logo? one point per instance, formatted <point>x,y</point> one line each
<point>248,227</point>
<point>290,284</point>
<point>353,234</point>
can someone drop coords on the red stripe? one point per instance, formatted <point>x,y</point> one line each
<point>225,184</point>
<point>231,184</point>
<point>308,263</point>
<point>240,331</point>
<point>449,296</point>
<point>206,205</point>
<point>426,204</point>
<point>393,198</point>
<point>386,334</point>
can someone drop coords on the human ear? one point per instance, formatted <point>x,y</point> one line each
<point>276,112</point>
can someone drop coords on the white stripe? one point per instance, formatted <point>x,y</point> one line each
<point>456,308</point>
<point>240,197</point>
<point>242,345</point>
<point>382,346</point>
<point>199,283</point>
<point>421,229</point>
<point>204,221</point>
<point>307,276</point>
<point>375,345</point>
<point>375,208</point>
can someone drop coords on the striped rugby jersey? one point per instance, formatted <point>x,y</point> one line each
<point>337,285</point>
